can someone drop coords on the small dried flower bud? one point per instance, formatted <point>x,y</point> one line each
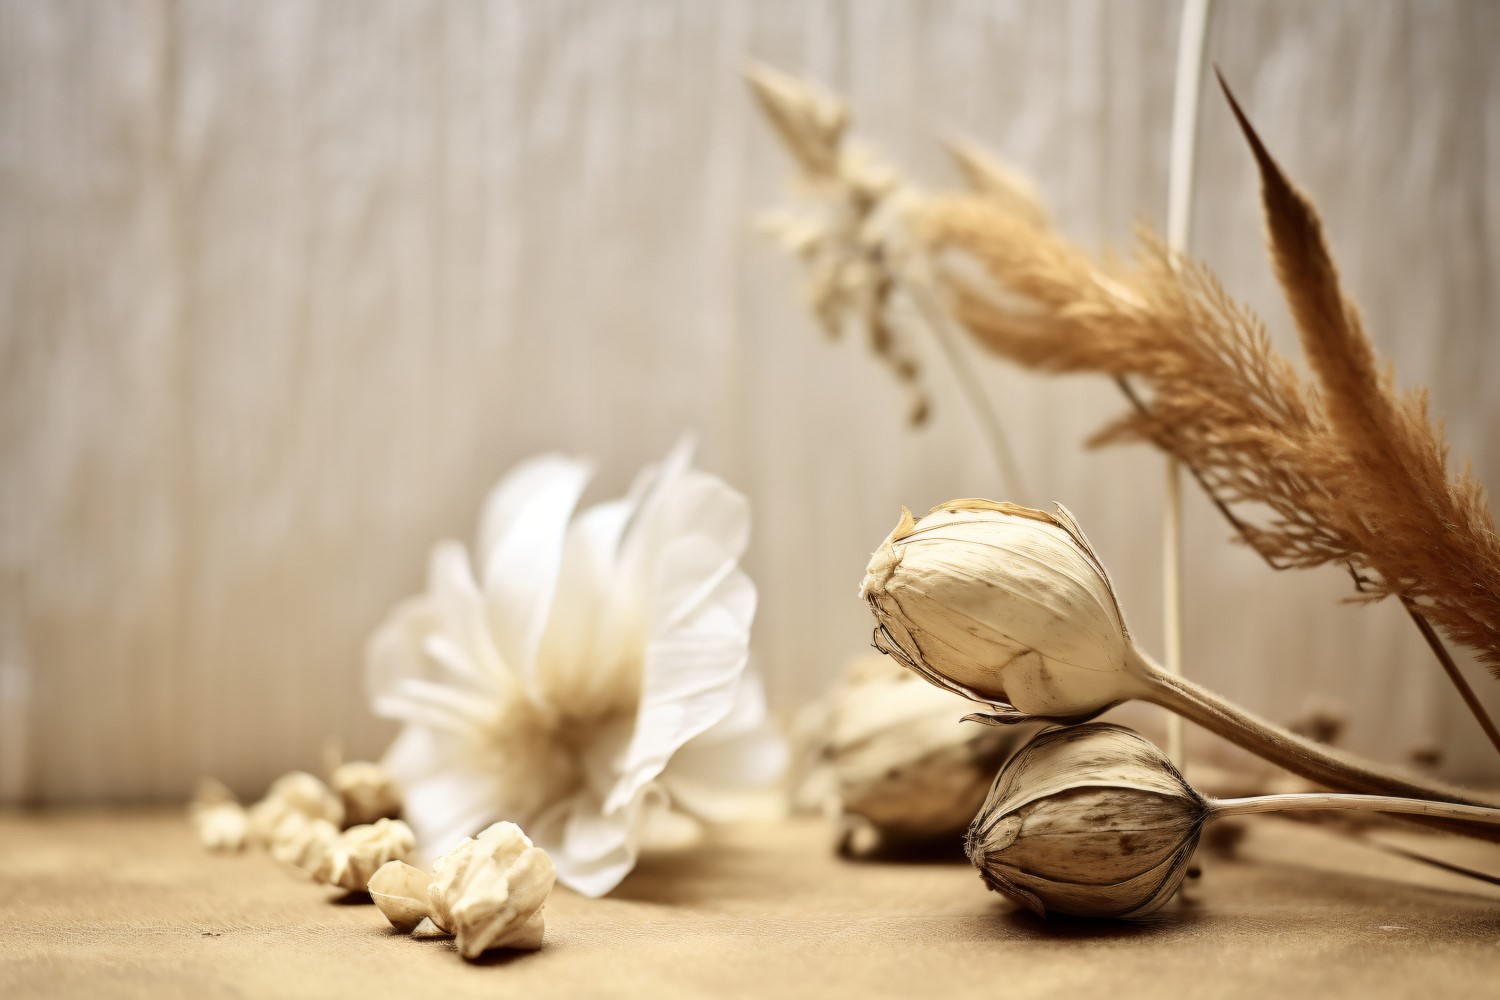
<point>1091,821</point>
<point>1002,604</point>
<point>400,891</point>
<point>367,791</point>
<point>357,853</point>
<point>901,759</point>
<point>294,792</point>
<point>489,891</point>
<point>219,820</point>
<point>301,841</point>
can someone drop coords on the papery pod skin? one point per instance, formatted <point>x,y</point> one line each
<point>360,851</point>
<point>1004,605</point>
<point>400,892</point>
<point>1089,821</point>
<point>367,791</point>
<point>295,792</point>
<point>901,759</point>
<point>489,891</point>
<point>302,841</point>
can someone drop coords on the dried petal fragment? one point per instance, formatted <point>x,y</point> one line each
<point>294,792</point>
<point>489,891</point>
<point>400,891</point>
<point>367,791</point>
<point>301,841</point>
<point>360,851</point>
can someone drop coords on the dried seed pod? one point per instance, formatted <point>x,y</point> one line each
<point>301,841</point>
<point>359,852</point>
<point>367,791</point>
<point>1011,607</point>
<point>219,820</point>
<point>1091,821</point>
<point>400,891</point>
<point>294,792</point>
<point>489,891</point>
<point>1004,605</point>
<point>1094,821</point>
<point>901,759</point>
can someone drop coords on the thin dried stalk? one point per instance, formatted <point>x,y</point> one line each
<point>1347,471</point>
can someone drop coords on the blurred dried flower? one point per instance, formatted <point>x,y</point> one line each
<point>367,791</point>
<point>301,841</point>
<point>357,853</point>
<point>294,793</point>
<point>218,818</point>
<point>594,671</point>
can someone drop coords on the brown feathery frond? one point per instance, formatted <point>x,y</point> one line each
<point>1345,472</point>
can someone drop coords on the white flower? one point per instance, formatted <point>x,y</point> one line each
<point>592,672</point>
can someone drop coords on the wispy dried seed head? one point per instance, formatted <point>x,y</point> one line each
<point>1002,604</point>
<point>1089,821</point>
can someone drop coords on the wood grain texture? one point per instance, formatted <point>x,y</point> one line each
<point>285,286</point>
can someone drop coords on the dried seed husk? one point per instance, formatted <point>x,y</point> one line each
<point>1089,821</point>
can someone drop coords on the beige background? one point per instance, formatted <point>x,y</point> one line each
<point>284,287</point>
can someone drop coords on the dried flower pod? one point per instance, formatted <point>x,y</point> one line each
<point>1091,821</point>
<point>489,891</point>
<point>400,892</point>
<point>1094,821</point>
<point>1011,607</point>
<point>301,841</point>
<point>359,852</point>
<point>367,791</point>
<point>294,792</point>
<point>219,820</point>
<point>901,760</point>
<point>1004,605</point>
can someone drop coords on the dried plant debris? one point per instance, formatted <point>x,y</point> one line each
<point>299,793</point>
<point>850,234</point>
<point>488,892</point>
<point>1346,470</point>
<point>355,855</point>
<point>218,818</point>
<point>367,791</point>
<point>901,759</point>
<point>1094,821</point>
<point>301,840</point>
<point>1012,608</point>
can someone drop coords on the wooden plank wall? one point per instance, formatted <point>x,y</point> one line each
<point>284,286</point>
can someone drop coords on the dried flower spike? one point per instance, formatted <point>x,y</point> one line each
<point>1011,607</point>
<point>1094,821</point>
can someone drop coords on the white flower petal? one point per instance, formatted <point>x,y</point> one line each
<point>733,770</point>
<point>460,608</point>
<point>521,538</point>
<point>594,849</point>
<point>690,674</point>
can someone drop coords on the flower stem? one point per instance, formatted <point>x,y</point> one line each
<point>1325,801</point>
<point>1313,761</point>
<point>937,320</point>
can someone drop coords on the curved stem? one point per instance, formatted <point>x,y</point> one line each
<point>1313,761</point>
<point>989,424</point>
<point>1325,801</point>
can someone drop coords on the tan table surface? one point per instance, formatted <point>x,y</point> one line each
<point>126,904</point>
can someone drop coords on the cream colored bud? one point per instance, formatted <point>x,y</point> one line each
<point>367,791</point>
<point>294,792</point>
<point>489,891</point>
<point>400,892</point>
<point>1004,605</point>
<point>359,852</point>
<point>901,758</point>
<point>1091,821</point>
